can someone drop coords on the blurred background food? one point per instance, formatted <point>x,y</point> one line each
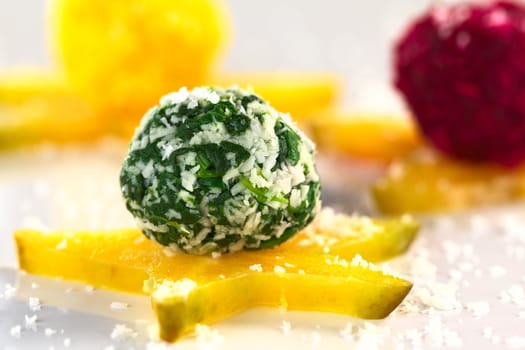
<point>93,71</point>
<point>74,72</point>
<point>121,56</point>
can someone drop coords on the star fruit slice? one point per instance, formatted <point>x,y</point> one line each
<point>187,290</point>
<point>302,94</point>
<point>426,182</point>
<point>364,136</point>
<point>38,105</point>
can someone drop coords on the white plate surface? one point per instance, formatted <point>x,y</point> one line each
<point>468,273</point>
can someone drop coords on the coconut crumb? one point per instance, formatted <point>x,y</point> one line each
<point>515,294</point>
<point>34,304</point>
<point>256,268</point>
<point>61,245</point>
<point>497,271</point>
<point>279,269</point>
<point>478,308</point>
<point>515,342</point>
<point>286,327</point>
<point>49,332</point>
<point>207,337</point>
<point>9,291</point>
<point>118,306</point>
<point>439,335</point>
<point>16,331</point>
<point>121,332</point>
<point>441,296</point>
<point>30,322</point>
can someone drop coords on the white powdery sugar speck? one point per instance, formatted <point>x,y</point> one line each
<point>67,342</point>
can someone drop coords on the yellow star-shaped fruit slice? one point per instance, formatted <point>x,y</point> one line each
<point>302,94</point>
<point>38,104</point>
<point>317,271</point>
<point>426,182</point>
<point>364,135</point>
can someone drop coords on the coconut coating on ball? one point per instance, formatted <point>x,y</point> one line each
<point>219,170</point>
<point>461,70</point>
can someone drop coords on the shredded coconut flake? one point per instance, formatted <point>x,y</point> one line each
<point>118,306</point>
<point>208,338</point>
<point>256,268</point>
<point>49,332</point>
<point>16,331</point>
<point>34,304</point>
<point>30,322</point>
<point>478,308</point>
<point>121,332</point>
<point>286,327</point>
<point>279,269</point>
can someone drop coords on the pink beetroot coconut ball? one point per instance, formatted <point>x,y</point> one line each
<point>461,70</point>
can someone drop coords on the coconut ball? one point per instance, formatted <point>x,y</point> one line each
<point>219,170</point>
<point>461,70</point>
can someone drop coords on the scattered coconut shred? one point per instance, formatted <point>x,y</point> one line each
<point>449,259</point>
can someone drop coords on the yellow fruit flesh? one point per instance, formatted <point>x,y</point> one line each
<point>302,94</point>
<point>122,52</point>
<point>38,105</point>
<point>364,136</point>
<point>123,259</point>
<point>350,290</point>
<point>427,182</point>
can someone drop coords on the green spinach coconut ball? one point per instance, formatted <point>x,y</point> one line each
<point>219,170</point>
